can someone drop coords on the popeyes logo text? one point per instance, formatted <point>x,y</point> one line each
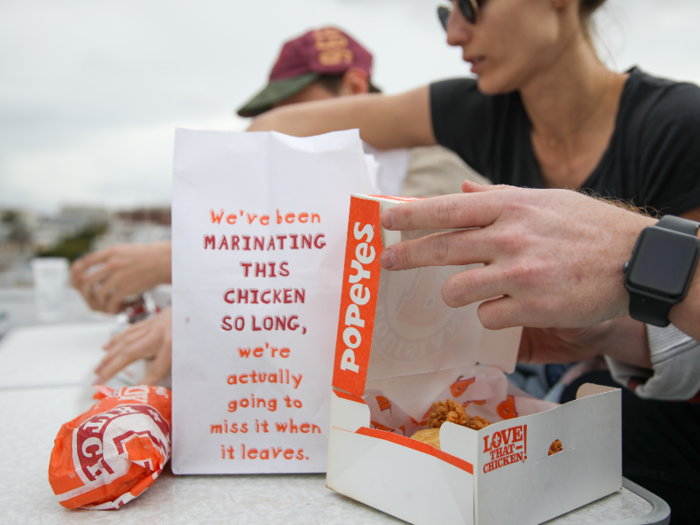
<point>505,447</point>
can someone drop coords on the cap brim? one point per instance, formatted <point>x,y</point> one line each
<point>275,92</point>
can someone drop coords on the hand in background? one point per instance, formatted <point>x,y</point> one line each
<point>106,277</point>
<point>150,339</point>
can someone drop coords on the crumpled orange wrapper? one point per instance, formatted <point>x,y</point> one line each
<point>114,451</point>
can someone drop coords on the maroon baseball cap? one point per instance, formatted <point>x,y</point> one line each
<point>321,52</point>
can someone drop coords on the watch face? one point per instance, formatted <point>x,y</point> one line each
<point>662,262</point>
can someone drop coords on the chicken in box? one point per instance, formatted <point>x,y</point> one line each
<point>405,362</point>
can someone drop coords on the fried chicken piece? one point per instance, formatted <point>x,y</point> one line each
<point>454,413</point>
<point>477,423</point>
<point>450,411</point>
<point>431,436</point>
<point>555,447</point>
<point>446,411</point>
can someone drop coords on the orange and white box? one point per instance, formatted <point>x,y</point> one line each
<point>399,349</point>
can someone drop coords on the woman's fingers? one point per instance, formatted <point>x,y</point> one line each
<point>115,302</point>
<point>111,364</point>
<point>114,347</point>
<point>86,285</point>
<point>97,276</point>
<point>100,294</point>
<point>129,341</point>
<point>95,287</point>
<point>160,366</point>
<point>111,293</point>
<point>107,369</point>
<point>89,296</point>
<point>86,262</point>
<point>146,339</point>
<point>123,355</point>
<point>131,334</point>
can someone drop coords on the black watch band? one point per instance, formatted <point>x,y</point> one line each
<point>649,310</point>
<point>680,225</point>
<point>652,310</point>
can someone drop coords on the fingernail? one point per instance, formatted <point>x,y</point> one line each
<point>388,219</point>
<point>388,259</point>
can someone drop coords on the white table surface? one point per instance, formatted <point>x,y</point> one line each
<point>18,308</point>
<point>52,355</point>
<point>45,377</point>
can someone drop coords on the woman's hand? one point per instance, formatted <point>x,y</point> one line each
<point>553,258</point>
<point>106,277</point>
<point>149,339</point>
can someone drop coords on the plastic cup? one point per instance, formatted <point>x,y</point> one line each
<point>50,284</point>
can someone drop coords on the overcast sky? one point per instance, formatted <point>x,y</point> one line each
<point>91,91</point>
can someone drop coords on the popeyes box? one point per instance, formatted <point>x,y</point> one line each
<point>399,349</point>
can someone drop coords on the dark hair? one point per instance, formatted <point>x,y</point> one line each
<point>586,9</point>
<point>334,83</point>
<point>331,83</point>
<point>589,6</point>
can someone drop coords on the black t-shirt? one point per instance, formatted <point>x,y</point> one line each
<point>653,159</point>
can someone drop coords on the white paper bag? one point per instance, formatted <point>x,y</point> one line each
<point>259,227</point>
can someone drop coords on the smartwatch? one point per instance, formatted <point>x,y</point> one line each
<point>662,265</point>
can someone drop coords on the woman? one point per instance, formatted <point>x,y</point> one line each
<point>545,112</point>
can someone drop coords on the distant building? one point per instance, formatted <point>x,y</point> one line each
<point>155,215</point>
<point>50,230</point>
<point>140,226</point>
<point>24,234</point>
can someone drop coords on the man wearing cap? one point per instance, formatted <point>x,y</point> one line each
<point>329,63</point>
<point>324,54</point>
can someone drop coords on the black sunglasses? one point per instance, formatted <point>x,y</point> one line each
<point>469,8</point>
